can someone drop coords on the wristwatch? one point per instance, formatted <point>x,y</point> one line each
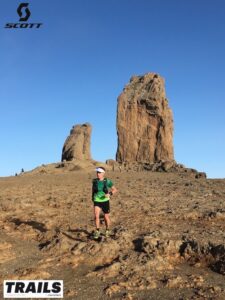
<point>110,193</point>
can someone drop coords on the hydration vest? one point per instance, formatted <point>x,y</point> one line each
<point>95,186</point>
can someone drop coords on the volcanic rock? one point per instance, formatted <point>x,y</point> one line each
<point>77,144</point>
<point>144,121</point>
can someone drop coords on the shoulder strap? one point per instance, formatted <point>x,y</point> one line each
<point>105,187</point>
<point>95,185</point>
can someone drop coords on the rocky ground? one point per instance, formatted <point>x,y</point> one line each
<point>168,235</point>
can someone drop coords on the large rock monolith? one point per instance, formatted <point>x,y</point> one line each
<point>144,121</point>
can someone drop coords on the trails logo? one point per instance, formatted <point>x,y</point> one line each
<point>24,14</point>
<point>33,288</point>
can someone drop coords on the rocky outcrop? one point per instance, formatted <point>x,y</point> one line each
<point>160,166</point>
<point>144,121</point>
<point>77,144</point>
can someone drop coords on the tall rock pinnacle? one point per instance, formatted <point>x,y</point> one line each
<point>144,121</point>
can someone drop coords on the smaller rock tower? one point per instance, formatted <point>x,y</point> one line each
<point>77,144</point>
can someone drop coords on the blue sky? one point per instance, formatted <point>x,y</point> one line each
<point>72,69</point>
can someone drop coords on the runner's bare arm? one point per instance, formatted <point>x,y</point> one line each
<point>113,190</point>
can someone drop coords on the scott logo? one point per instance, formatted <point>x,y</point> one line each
<point>19,10</point>
<point>23,8</point>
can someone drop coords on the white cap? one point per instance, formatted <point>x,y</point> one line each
<point>100,170</point>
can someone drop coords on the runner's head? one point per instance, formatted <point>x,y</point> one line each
<point>100,172</point>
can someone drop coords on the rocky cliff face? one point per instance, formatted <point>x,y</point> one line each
<point>144,121</point>
<point>77,144</point>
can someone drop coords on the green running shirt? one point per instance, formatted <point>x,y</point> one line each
<point>100,196</point>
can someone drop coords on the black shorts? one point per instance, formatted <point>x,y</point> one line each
<point>104,206</point>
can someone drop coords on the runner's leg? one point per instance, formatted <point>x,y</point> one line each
<point>97,211</point>
<point>107,220</point>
